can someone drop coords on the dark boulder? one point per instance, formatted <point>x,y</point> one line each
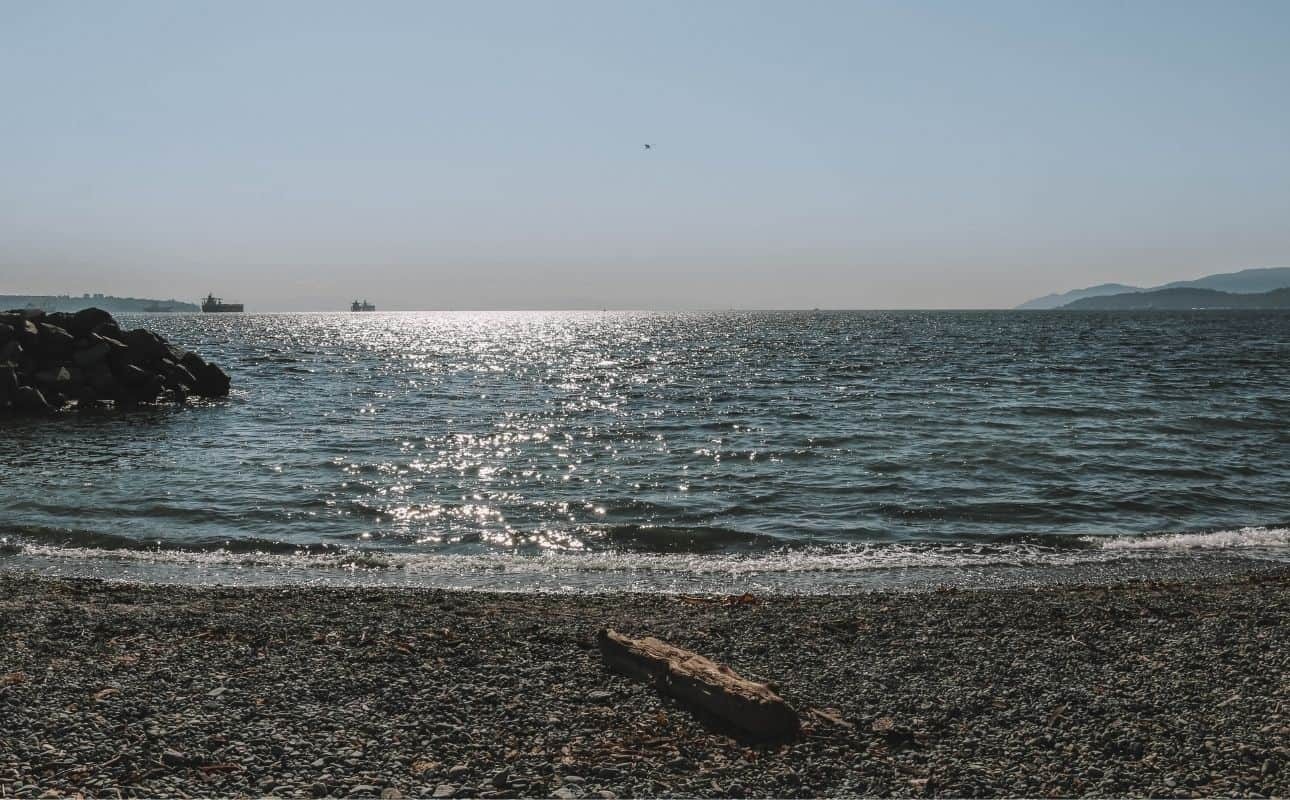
<point>94,352</point>
<point>27,333</point>
<point>14,353</point>
<point>29,400</point>
<point>109,330</point>
<point>86,320</point>
<point>133,375</point>
<point>178,377</point>
<point>59,377</point>
<point>100,378</point>
<point>33,314</point>
<point>61,319</point>
<point>193,362</point>
<point>48,359</point>
<point>8,383</point>
<point>144,345</point>
<point>54,342</point>
<point>138,385</point>
<point>212,381</point>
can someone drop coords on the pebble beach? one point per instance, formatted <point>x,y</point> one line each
<point>1156,689</point>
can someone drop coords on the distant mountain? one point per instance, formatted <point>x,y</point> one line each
<point>115,305</point>
<point>1247,281</point>
<point>1059,300</point>
<point>1182,299</point>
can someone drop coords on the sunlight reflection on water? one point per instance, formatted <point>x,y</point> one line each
<point>537,432</point>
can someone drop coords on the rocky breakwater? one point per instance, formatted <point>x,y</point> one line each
<point>85,360</point>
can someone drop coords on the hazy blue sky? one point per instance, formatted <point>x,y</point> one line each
<point>489,155</point>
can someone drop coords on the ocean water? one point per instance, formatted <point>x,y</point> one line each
<point>574,450</point>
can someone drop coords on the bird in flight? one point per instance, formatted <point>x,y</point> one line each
<point>649,147</point>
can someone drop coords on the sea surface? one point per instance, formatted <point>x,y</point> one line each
<point>811,451</point>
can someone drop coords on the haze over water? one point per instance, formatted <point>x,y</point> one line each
<point>516,444</point>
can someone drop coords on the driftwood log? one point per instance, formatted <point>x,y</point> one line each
<point>695,680</point>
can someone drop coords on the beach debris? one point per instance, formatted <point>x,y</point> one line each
<point>698,681</point>
<point>828,716</point>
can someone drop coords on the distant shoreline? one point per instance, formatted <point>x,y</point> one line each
<point>109,303</point>
<point>1155,688</point>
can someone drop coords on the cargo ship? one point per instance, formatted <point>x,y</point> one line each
<point>363,306</point>
<point>214,305</point>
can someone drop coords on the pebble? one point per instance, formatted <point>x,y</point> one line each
<point>349,692</point>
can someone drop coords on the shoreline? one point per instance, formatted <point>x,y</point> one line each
<point>807,571</point>
<point>1156,688</point>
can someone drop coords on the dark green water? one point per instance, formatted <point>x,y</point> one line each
<point>689,443</point>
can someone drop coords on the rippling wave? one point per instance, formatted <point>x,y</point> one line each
<point>695,441</point>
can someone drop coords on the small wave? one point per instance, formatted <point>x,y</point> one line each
<point>22,538</point>
<point>1240,539</point>
<point>691,539</point>
<point>809,570</point>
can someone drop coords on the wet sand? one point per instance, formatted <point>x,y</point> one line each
<point>1150,688</point>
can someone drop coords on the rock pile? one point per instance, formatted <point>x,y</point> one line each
<point>50,361</point>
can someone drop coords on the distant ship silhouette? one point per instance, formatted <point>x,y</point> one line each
<point>363,306</point>
<point>216,305</point>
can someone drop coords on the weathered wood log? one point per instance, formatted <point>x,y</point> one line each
<point>695,680</point>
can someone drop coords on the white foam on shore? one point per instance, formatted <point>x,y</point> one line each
<point>1240,539</point>
<point>806,570</point>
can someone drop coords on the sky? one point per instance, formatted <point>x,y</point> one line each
<point>486,155</point>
